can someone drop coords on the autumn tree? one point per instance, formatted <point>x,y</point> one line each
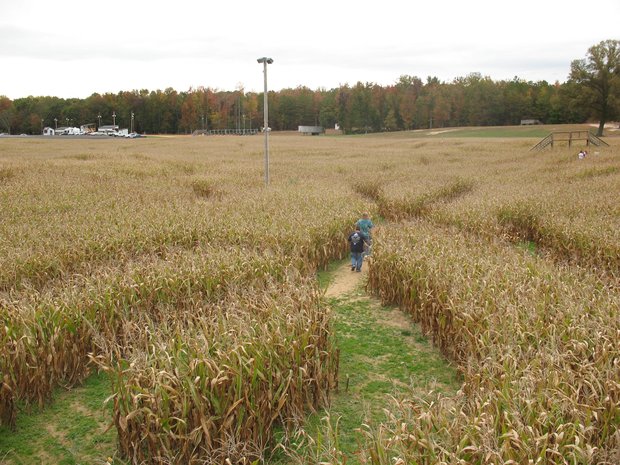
<point>317,102</point>
<point>599,76</point>
<point>191,116</point>
<point>6,113</point>
<point>518,97</point>
<point>361,112</point>
<point>389,122</point>
<point>432,107</point>
<point>343,98</point>
<point>251,109</point>
<point>328,109</point>
<point>408,88</point>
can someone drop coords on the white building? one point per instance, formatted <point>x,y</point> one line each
<point>108,129</point>
<point>314,130</point>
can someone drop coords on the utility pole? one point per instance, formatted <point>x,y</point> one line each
<point>266,61</point>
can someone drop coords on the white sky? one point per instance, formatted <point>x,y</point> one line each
<point>76,48</point>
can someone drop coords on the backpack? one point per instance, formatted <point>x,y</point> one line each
<point>355,238</point>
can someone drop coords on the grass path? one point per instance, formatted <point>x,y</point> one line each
<point>71,430</point>
<point>382,353</point>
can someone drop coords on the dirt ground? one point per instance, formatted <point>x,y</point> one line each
<point>345,280</point>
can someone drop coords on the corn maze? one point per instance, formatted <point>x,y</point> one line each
<point>167,264</point>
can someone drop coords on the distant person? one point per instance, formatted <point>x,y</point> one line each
<point>357,239</point>
<point>365,224</point>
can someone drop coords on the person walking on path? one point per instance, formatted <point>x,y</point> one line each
<point>357,239</point>
<point>365,224</point>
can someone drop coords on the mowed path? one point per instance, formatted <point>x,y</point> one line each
<point>383,353</point>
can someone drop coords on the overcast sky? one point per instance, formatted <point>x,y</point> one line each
<point>77,48</point>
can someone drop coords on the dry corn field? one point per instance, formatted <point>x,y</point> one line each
<point>167,263</point>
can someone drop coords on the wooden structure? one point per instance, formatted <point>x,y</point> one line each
<point>569,137</point>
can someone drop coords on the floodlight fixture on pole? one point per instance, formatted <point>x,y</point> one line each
<point>266,61</point>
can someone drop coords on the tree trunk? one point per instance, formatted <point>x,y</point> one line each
<point>601,126</point>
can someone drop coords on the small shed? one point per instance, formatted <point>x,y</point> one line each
<point>313,130</point>
<point>530,121</point>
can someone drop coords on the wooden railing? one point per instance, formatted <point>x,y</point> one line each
<point>595,140</point>
<point>569,137</point>
<point>543,143</point>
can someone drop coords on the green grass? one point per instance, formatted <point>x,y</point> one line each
<point>380,358</point>
<point>508,131</point>
<point>538,131</point>
<point>72,430</point>
<point>529,246</point>
<point>382,354</point>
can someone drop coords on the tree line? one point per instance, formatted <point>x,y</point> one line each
<point>591,92</point>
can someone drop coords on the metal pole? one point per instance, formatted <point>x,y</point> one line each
<point>265,61</point>
<point>266,125</point>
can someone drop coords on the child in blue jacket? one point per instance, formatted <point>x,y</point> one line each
<point>357,239</point>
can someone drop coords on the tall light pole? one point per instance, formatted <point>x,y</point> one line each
<point>132,121</point>
<point>266,61</point>
<point>114,119</point>
<point>99,116</point>
<point>55,123</point>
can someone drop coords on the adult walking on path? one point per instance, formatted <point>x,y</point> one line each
<point>365,224</point>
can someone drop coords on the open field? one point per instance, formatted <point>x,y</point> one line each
<point>167,264</point>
